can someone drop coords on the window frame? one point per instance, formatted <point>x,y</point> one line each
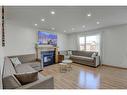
<point>85,38</point>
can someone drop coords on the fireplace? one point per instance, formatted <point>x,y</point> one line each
<point>47,58</point>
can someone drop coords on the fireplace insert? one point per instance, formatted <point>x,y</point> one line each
<point>47,58</point>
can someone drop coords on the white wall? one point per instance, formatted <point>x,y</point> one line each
<point>72,40</point>
<point>1,49</point>
<point>113,44</point>
<point>62,41</point>
<point>21,39</point>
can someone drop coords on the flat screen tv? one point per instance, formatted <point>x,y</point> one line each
<point>45,38</point>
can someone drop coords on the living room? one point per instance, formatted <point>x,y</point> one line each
<point>77,29</point>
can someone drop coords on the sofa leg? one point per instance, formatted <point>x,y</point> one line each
<point>40,70</point>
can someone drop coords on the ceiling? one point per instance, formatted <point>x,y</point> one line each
<point>67,17</point>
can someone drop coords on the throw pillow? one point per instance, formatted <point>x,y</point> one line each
<point>15,61</point>
<point>26,78</point>
<point>93,55</point>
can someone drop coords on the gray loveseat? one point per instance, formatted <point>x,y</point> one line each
<point>43,82</point>
<point>85,57</point>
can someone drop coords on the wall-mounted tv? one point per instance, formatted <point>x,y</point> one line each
<point>45,38</point>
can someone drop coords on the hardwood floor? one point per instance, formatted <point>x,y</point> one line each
<point>84,77</point>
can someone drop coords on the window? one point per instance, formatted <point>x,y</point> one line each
<point>89,43</point>
<point>82,43</point>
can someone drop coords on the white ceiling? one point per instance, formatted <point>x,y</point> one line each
<point>67,17</point>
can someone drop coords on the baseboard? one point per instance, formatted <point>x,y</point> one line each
<point>114,66</point>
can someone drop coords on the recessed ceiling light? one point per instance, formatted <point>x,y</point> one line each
<point>52,12</point>
<point>53,28</point>
<point>98,22</point>
<point>35,24</point>
<point>73,29</point>
<point>43,19</point>
<point>83,26</point>
<point>65,31</point>
<point>89,14</point>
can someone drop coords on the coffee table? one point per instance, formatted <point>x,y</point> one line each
<point>63,67</point>
<point>68,62</point>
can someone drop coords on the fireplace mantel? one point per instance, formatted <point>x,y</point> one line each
<point>40,48</point>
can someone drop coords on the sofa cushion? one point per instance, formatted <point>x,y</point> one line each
<point>83,53</point>
<point>86,58</point>
<point>44,82</point>
<point>24,68</point>
<point>26,58</point>
<point>82,58</point>
<point>25,78</point>
<point>10,82</point>
<point>8,68</point>
<point>34,64</point>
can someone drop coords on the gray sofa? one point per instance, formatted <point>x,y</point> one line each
<point>29,59</point>
<point>86,58</point>
<point>43,82</point>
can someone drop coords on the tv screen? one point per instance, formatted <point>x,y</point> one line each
<point>45,38</point>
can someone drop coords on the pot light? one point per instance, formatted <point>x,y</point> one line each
<point>73,29</point>
<point>52,12</point>
<point>43,19</point>
<point>98,22</point>
<point>89,14</point>
<point>53,28</point>
<point>65,31</point>
<point>83,26</point>
<point>35,24</point>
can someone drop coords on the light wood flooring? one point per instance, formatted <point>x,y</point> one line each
<point>84,77</point>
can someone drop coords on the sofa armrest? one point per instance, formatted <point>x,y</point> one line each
<point>97,60</point>
<point>46,83</point>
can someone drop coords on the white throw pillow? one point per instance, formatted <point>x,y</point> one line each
<point>93,55</point>
<point>15,61</point>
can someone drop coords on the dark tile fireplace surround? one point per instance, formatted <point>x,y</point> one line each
<point>47,58</point>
